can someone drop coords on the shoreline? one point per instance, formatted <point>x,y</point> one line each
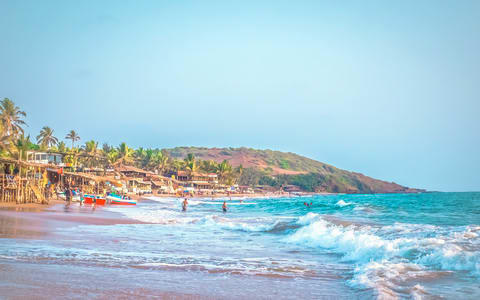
<point>38,207</point>
<point>40,221</point>
<point>29,206</point>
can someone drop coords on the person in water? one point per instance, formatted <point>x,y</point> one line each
<point>68,195</point>
<point>224,206</point>
<point>184,204</point>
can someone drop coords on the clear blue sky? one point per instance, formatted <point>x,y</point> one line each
<point>387,88</point>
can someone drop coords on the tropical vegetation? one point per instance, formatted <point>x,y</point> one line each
<point>262,167</point>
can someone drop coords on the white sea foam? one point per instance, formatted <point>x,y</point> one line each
<point>308,218</point>
<point>162,199</point>
<point>250,225</point>
<point>342,203</point>
<point>157,216</point>
<point>389,279</point>
<point>394,253</point>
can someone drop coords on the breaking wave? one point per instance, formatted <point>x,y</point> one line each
<point>342,203</point>
<point>394,255</point>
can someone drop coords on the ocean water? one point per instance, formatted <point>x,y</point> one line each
<point>413,246</point>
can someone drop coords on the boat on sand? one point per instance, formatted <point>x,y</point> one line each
<point>92,199</point>
<point>115,199</point>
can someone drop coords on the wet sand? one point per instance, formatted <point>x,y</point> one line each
<point>35,221</point>
<point>49,278</point>
<point>30,280</point>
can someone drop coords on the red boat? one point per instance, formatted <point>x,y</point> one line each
<point>88,199</point>
<point>100,200</point>
<point>91,199</point>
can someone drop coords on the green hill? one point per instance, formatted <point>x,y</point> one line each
<point>277,168</point>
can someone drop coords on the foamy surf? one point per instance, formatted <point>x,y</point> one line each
<point>363,243</point>
<point>390,258</point>
<point>342,203</point>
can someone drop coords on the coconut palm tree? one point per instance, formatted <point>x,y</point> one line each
<point>107,148</point>
<point>239,172</point>
<point>190,163</point>
<point>72,157</point>
<point>11,118</point>
<point>112,157</point>
<point>90,150</point>
<point>125,154</point>
<point>61,147</point>
<point>224,170</point>
<point>160,161</point>
<point>72,135</point>
<point>209,166</point>
<point>140,155</point>
<point>46,138</point>
<point>20,147</point>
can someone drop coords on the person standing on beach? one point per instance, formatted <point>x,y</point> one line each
<point>184,205</point>
<point>68,195</point>
<point>224,206</point>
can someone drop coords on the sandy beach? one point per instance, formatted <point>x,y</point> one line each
<point>23,280</point>
<point>60,252</point>
<point>340,247</point>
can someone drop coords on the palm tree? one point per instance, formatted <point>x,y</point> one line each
<point>160,161</point>
<point>11,117</point>
<point>190,163</point>
<point>139,156</point>
<point>176,165</point>
<point>72,157</point>
<point>72,135</point>
<point>61,147</point>
<point>90,150</point>
<point>209,166</point>
<point>239,171</point>
<point>46,138</point>
<point>21,146</point>
<point>125,154</point>
<point>107,148</point>
<point>90,147</point>
<point>112,157</point>
<point>148,159</point>
<point>224,170</point>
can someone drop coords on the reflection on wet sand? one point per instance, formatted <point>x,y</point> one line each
<point>33,222</point>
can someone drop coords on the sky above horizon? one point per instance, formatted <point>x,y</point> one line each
<point>390,89</point>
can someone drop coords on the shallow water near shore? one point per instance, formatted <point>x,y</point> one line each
<point>343,246</point>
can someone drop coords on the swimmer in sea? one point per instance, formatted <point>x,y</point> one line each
<point>224,206</point>
<point>184,204</point>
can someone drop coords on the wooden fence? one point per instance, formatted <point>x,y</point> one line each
<point>21,190</point>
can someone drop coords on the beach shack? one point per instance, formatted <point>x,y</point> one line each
<point>197,181</point>
<point>139,186</point>
<point>183,176</point>
<point>163,185</point>
<point>91,184</point>
<point>133,172</point>
<point>24,182</point>
<point>45,158</point>
<point>137,180</point>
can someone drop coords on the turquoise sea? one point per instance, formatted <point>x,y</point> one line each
<point>418,246</point>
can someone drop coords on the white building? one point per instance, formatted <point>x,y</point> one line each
<point>45,158</point>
